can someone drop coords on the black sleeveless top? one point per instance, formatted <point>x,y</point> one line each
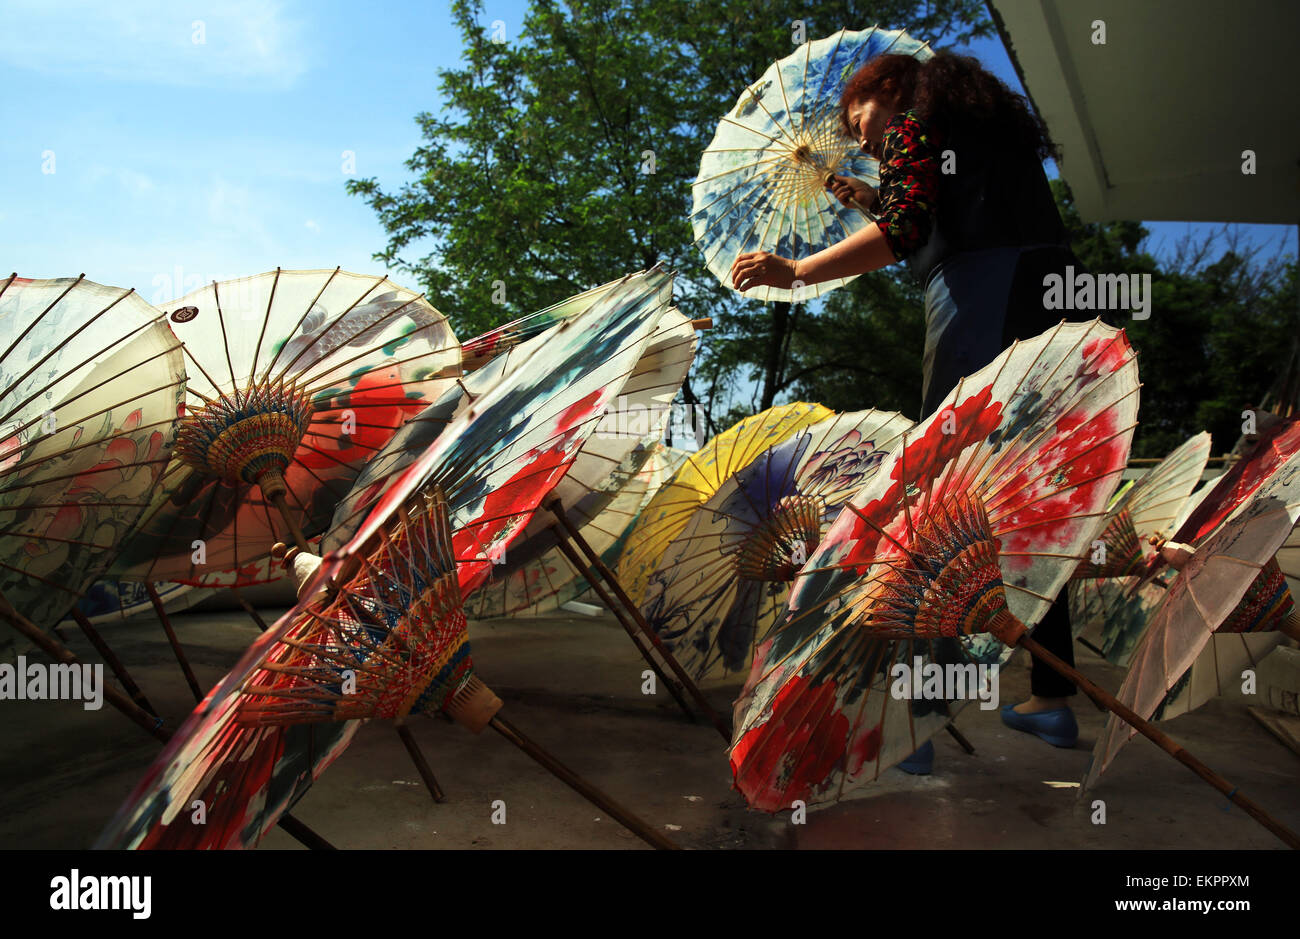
<point>996,195</point>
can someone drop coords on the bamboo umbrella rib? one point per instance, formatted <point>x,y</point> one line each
<point>35,322</point>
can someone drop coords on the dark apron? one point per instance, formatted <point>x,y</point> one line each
<point>977,303</point>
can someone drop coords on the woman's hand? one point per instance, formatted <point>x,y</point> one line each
<point>849,190</point>
<point>761,269</point>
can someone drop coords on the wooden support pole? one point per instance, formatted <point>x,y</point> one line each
<point>589,792</point>
<point>110,657</point>
<point>723,727</point>
<point>421,764</point>
<point>248,608</point>
<point>171,638</point>
<point>960,738</point>
<point>673,688</point>
<point>290,520</point>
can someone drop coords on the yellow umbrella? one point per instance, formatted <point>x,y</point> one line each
<point>698,479</point>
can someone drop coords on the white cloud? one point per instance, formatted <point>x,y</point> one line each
<point>245,43</point>
<point>313,225</point>
<point>134,183</point>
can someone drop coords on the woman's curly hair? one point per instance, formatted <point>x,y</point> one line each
<point>950,91</point>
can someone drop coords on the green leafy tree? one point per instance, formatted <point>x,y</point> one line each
<point>1222,326</point>
<point>564,157</point>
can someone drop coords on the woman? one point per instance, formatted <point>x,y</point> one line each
<point>965,203</point>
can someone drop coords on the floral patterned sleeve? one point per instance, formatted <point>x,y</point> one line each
<point>909,183</point>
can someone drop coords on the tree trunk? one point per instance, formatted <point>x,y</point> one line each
<point>775,351</point>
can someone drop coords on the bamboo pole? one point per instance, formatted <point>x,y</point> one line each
<point>673,688</point>
<point>110,657</point>
<point>589,792</point>
<point>278,500</point>
<point>421,764</point>
<point>171,638</point>
<point>960,738</point>
<point>723,727</point>
<point>248,608</point>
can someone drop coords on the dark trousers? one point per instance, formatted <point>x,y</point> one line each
<point>976,306</point>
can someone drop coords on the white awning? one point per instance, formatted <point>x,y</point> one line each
<point>1152,124</point>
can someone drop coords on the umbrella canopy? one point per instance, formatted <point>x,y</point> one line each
<point>494,462</point>
<point>91,380</point>
<point>1148,507</point>
<point>724,578</point>
<point>762,181</point>
<point>987,505</point>
<point>621,443</point>
<point>1230,584</point>
<point>697,480</point>
<point>296,379</point>
<point>1104,593</point>
<point>477,352</point>
<point>108,601</point>
<point>545,584</point>
<point>1220,497</point>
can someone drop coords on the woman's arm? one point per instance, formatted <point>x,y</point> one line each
<point>863,251</point>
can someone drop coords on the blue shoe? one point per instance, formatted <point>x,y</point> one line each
<point>921,762</point>
<point>1058,726</point>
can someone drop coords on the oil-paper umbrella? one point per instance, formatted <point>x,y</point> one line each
<point>1220,497</point>
<point>109,601</point>
<point>609,457</point>
<point>1103,591</point>
<point>1148,507</point>
<point>621,443</point>
<point>91,380</point>
<point>979,514</point>
<point>762,181</point>
<point>725,577</point>
<point>1229,585</point>
<point>1126,606</point>
<point>392,599</point>
<point>698,479</point>
<point>296,379</point>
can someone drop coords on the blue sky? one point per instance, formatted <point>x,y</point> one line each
<point>177,162</point>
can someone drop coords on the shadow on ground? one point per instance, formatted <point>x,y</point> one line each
<point>573,684</point>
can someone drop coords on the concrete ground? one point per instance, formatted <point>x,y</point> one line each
<point>572,683</point>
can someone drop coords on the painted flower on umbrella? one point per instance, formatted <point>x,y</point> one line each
<point>844,462</point>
